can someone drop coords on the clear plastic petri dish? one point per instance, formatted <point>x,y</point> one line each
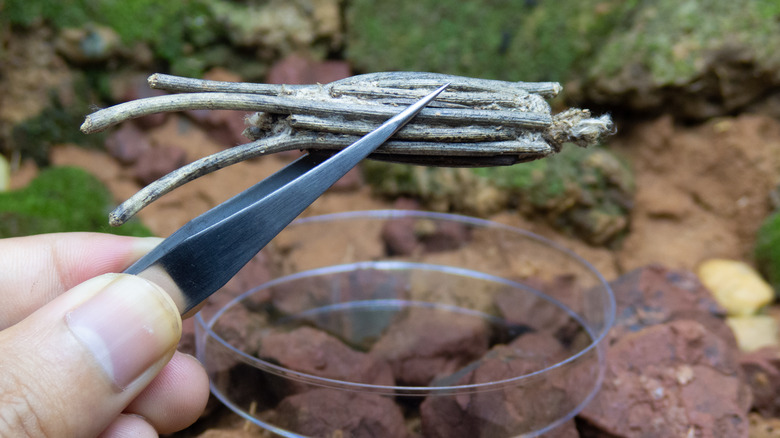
<point>404,323</point>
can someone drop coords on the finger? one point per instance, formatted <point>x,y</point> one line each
<point>129,426</point>
<point>90,351</point>
<point>36,269</point>
<point>176,397</point>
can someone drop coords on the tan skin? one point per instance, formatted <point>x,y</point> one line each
<point>45,388</point>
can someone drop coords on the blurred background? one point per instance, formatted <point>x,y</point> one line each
<point>694,87</point>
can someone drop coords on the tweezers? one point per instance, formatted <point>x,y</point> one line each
<point>200,257</point>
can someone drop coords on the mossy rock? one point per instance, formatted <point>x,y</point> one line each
<point>61,199</point>
<point>499,39</point>
<point>693,58</point>
<point>586,192</point>
<point>767,250</point>
<point>173,30</point>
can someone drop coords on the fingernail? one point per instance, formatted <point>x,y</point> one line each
<point>143,245</point>
<point>128,326</point>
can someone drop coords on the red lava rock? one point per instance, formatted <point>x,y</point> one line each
<point>307,293</point>
<point>315,352</point>
<point>127,143</point>
<point>253,274</point>
<point>138,88</point>
<point>298,70</point>
<point>655,294</point>
<point>526,309</point>
<point>426,343</point>
<point>157,162</point>
<point>331,413</point>
<point>447,236</point>
<point>403,236</point>
<point>671,379</point>
<point>242,328</point>
<point>399,238</point>
<point>762,372</point>
<point>508,411</point>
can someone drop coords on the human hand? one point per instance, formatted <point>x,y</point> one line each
<point>86,353</point>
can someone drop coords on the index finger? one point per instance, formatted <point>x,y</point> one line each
<point>36,269</point>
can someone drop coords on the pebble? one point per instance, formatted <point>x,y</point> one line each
<point>753,332</point>
<point>736,286</point>
<point>5,174</point>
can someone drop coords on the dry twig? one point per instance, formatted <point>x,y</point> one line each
<point>475,122</point>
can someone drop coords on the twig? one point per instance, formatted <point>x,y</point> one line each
<point>476,122</point>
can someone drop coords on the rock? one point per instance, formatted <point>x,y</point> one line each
<point>762,373</point>
<point>754,332</point>
<point>767,251</point>
<point>669,380</point>
<point>5,174</point>
<point>426,343</point>
<point>90,44</point>
<point>398,237</point>
<point>439,189</point>
<point>281,27</point>
<point>253,274</point>
<point>128,143</point>
<point>655,294</point>
<point>315,352</point>
<point>360,328</point>
<point>736,286</point>
<point>300,70</point>
<point>242,328</point>
<point>336,413</point>
<point>157,162</point>
<point>587,192</point>
<point>649,57</point>
<point>508,411</point>
<point>443,236</point>
<point>531,311</point>
<point>404,236</point>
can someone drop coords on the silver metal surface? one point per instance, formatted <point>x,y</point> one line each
<point>205,253</point>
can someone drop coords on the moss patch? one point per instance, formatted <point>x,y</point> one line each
<point>61,199</point>
<point>171,29</point>
<point>587,192</point>
<point>501,39</point>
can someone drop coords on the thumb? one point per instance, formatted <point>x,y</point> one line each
<point>71,367</point>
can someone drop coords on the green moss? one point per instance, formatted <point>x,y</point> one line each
<point>672,40</point>
<point>587,192</point>
<point>767,250</point>
<point>57,123</point>
<point>502,39</point>
<point>60,199</point>
<point>171,29</point>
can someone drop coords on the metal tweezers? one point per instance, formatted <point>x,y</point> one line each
<point>200,257</point>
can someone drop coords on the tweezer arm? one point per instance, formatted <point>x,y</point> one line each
<point>204,254</point>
